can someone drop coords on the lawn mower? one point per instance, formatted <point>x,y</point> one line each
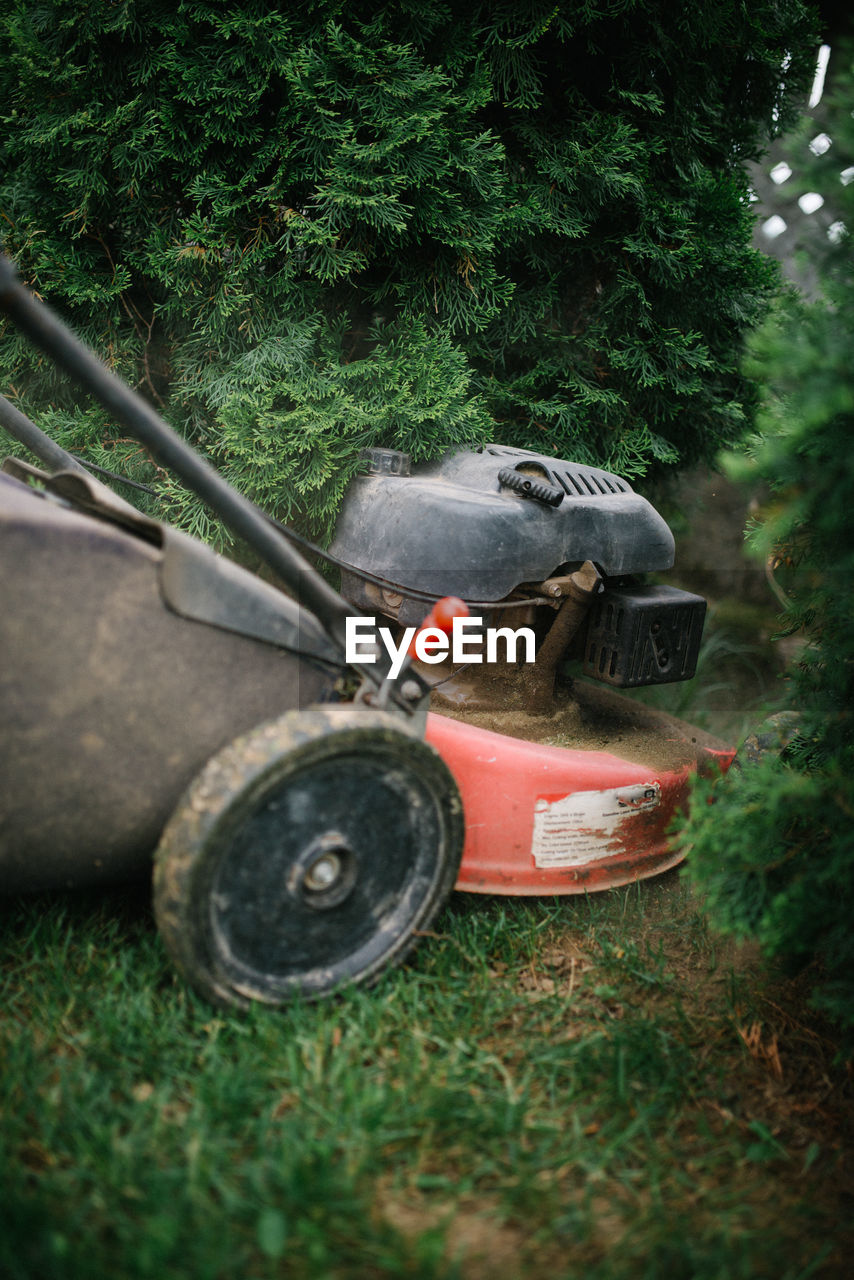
<point>306,816</point>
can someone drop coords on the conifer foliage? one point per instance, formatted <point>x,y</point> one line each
<point>775,851</point>
<point>305,228</point>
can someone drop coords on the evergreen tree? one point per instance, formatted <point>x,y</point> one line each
<point>775,851</point>
<point>302,229</point>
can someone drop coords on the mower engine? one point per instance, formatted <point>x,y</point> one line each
<point>568,786</point>
<point>524,540</point>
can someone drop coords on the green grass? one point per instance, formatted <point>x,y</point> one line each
<point>552,1088</point>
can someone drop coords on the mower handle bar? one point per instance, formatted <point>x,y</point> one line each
<point>36,320</point>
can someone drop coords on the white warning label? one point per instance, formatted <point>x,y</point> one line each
<point>570,830</point>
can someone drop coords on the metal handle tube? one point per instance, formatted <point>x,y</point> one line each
<point>39,323</point>
<point>33,438</point>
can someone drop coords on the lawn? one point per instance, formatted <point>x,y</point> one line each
<point>589,1087</point>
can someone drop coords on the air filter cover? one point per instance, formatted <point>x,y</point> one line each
<point>643,635</point>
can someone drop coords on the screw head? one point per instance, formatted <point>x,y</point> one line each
<point>323,872</point>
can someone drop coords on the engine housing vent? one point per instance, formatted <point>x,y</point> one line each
<point>643,635</point>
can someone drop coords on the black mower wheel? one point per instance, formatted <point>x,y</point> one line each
<point>306,855</point>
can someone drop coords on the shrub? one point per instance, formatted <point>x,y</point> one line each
<point>775,852</point>
<point>304,229</point>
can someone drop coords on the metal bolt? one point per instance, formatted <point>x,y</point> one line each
<point>410,690</point>
<point>324,872</point>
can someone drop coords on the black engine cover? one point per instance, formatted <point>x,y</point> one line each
<point>477,524</point>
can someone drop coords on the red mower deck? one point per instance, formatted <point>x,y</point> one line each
<point>573,802</point>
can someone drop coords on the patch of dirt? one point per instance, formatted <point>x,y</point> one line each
<point>475,1236</point>
<point>766,1076</point>
<point>772,1061</point>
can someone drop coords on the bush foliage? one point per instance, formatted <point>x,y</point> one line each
<point>775,852</point>
<point>302,229</point>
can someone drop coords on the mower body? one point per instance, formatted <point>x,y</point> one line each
<point>131,654</point>
<point>161,706</point>
<point>134,655</point>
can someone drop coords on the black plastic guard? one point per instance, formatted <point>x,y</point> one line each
<point>643,635</point>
